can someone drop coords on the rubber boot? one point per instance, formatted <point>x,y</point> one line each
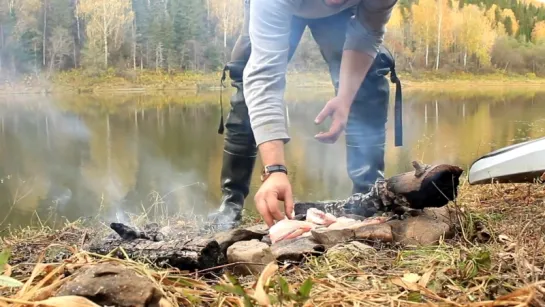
<point>239,156</point>
<point>235,179</point>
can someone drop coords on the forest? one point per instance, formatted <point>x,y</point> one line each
<point>44,37</point>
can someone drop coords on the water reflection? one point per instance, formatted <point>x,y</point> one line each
<point>75,156</point>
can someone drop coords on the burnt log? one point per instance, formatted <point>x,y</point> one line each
<point>193,254</point>
<point>150,232</point>
<point>172,246</point>
<point>426,187</point>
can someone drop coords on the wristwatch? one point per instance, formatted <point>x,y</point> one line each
<point>269,169</point>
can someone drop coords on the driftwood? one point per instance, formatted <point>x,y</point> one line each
<point>426,187</point>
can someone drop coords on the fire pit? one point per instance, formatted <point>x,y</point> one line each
<point>408,208</point>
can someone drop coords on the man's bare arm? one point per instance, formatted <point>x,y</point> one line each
<point>364,35</point>
<point>265,72</point>
<point>264,86</point>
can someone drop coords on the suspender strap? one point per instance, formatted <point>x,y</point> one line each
<point>221,127</point>
<point>398,108</point>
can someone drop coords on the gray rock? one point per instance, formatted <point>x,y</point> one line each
<point>256,255</point>
<point>228,238</point>
<point>424,229</point>
<point>374,232</point>
<point>112,285</point>
<point>331,237</point>
<point>296,249</point>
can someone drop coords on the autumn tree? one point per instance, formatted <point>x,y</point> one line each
<point>510,21</point>
<point>106,22</point>
<point>60,47</point>
<point>230,15</point>
<point>538,34</point>
<point>424,25</point>
<point>475,33</point>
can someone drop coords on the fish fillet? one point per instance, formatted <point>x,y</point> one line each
<point>289,229</point>
<point>319,217</point>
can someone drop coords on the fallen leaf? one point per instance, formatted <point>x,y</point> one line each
<point>531,267</point>
<point>6,281</point>
<point>425,278</point>
<point>404,284</point>
<point>454,288</point>
<point>260,295</point>
<point>504,239</point>
<point>63,301</point>
<point>411,277</point>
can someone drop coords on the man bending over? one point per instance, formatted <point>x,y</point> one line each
<point>349,34</point>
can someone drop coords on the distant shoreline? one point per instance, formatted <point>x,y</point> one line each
<point>150,81</point>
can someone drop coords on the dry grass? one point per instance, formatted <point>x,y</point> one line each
<point>496,259</point>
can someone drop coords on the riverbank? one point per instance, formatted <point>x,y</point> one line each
<point>79,81</point>
<point>497,255</point>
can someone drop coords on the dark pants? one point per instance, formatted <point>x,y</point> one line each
<point>365,131</point>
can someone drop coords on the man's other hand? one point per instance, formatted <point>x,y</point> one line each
<point>338,108</point>
<point>276,188</point>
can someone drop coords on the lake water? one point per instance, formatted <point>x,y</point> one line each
<point>71,156</point>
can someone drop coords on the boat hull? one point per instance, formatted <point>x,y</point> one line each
<point>519,163</point>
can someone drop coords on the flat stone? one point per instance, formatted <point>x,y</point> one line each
<point>374,232</point>
<point>296,249</point>
<point>112,285</point>
<point>424,229</point>
<point>257,253</point>
<point>228,238</point>
<point>331,237</point>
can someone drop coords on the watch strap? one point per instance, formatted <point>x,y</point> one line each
<point>269,169</point>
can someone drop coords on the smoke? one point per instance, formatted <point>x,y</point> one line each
<point>84,166</point>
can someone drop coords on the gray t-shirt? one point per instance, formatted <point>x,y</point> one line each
<point>269,30</point>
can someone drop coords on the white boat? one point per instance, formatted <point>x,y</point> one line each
<point>523,162</point>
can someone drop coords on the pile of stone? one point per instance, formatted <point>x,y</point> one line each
<point>250,249</point>
<point>255,250</point>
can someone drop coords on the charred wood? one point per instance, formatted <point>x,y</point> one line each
<point>426,187</point>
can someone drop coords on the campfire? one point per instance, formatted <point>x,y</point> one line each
<point>408,208</point>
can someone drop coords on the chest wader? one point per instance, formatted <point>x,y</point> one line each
<point>239,149</point>
<point>365,132</point>
<point>366,127</point>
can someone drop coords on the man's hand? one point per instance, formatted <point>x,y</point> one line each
<point>354,68</point>
<point>276,188</point>
<point>338,108</point>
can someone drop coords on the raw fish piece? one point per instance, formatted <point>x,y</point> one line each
<point>289,229</point>
<point>319,217</point>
